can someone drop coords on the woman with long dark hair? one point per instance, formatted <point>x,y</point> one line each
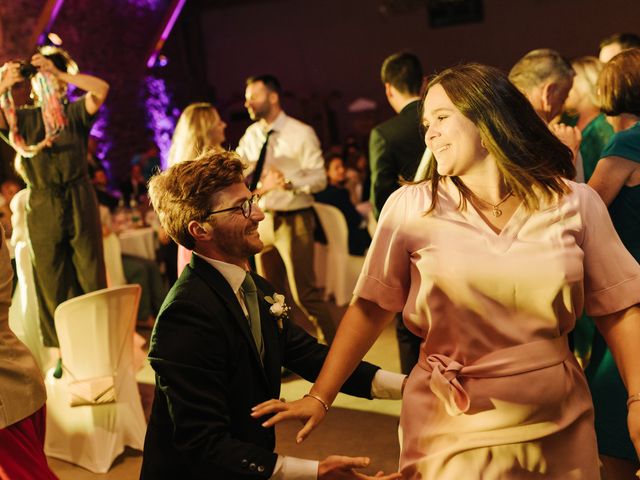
<point>490,260</point>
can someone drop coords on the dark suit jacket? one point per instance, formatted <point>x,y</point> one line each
<point>395,149</point>
<point>359,238</point>
<point>209,375</point>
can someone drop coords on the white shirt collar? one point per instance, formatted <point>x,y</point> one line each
<point>233,274</point>
<point>277,124</point>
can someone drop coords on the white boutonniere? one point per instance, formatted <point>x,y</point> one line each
<point>279,309</point>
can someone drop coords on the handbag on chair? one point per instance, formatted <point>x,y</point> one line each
<point>92,391</point>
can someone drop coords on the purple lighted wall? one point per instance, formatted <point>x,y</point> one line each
<point>161,115</point>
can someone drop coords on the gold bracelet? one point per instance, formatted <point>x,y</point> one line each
<point>633,398</point>
<point>324,404</point>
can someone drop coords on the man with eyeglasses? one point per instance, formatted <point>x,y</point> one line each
<point>223,335</point>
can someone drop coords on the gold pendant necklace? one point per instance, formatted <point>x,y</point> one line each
<point>496,211</point>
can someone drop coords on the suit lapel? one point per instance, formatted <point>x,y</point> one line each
<point>221,287</point>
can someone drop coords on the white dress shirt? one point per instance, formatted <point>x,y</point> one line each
<point>385,385</point>
<point>294,150</point>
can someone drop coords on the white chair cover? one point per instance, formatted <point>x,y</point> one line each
<point>320,264</point>
<point>23,315</point>
<point>342,270</point>
<point>113,260</point>
<point>95,333</point>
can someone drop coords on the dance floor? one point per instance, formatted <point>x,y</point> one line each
<point>352,427</point>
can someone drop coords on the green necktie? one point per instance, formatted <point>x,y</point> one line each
<point>251,302</point>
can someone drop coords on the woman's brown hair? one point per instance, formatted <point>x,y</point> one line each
<point>527,154</point>
<point>619,84</point>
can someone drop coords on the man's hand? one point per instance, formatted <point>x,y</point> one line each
<point>570,136</point>
<point>308,410</point>
<point>272,179</point>
<point>44,65</point>
<point>336,467</point>
<point>11,76</point>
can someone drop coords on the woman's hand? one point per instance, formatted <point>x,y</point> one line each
<point>11,76</point>
<point>308,410</point>
<point>336,467</point>
<point>43,64</point>
<point>570,136</point>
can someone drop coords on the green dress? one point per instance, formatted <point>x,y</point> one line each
<point>607,389</point>
<point>595,137</point>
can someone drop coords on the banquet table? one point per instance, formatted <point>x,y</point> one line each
<point>139,242</point>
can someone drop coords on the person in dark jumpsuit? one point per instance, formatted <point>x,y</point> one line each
<point>62,211</point>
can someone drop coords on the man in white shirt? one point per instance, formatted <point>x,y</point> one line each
<point>287,168</point>
<point>223,335</point>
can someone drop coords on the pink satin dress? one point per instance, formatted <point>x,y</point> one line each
<point>496,393</point>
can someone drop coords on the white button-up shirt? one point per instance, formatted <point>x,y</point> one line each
<point>294,150</point>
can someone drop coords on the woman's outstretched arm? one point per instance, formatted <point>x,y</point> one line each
<point>360,327</point>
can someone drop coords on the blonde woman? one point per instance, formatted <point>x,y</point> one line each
<point>199,128</point>
<point>583,102</point>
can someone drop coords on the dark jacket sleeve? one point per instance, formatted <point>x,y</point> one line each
<point>302,354</point>
<point>305,356</point>
<point>384,171</point>
<point>190,354</point>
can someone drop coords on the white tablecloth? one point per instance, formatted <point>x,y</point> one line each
<point>138,242</point>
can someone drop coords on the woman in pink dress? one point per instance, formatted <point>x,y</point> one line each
<point>490,260</point>
<point>199,128</point>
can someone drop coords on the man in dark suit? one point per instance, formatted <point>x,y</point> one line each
<point>396,146</point>
<point>395,149</point>
<point>223,335</point>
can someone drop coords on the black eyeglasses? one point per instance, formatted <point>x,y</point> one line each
<point>245,207</point>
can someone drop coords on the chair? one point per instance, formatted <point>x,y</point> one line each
<point>95,333</point>
<point>320,263</point>
<point>341,270</point>
<point>24,317</point>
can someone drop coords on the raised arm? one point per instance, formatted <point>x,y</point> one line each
<point>96,88</point>
<point>621,331</point>
<point>10,76</point>
<point>362,324</point>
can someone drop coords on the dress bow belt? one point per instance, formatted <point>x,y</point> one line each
<point>446,373</point>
